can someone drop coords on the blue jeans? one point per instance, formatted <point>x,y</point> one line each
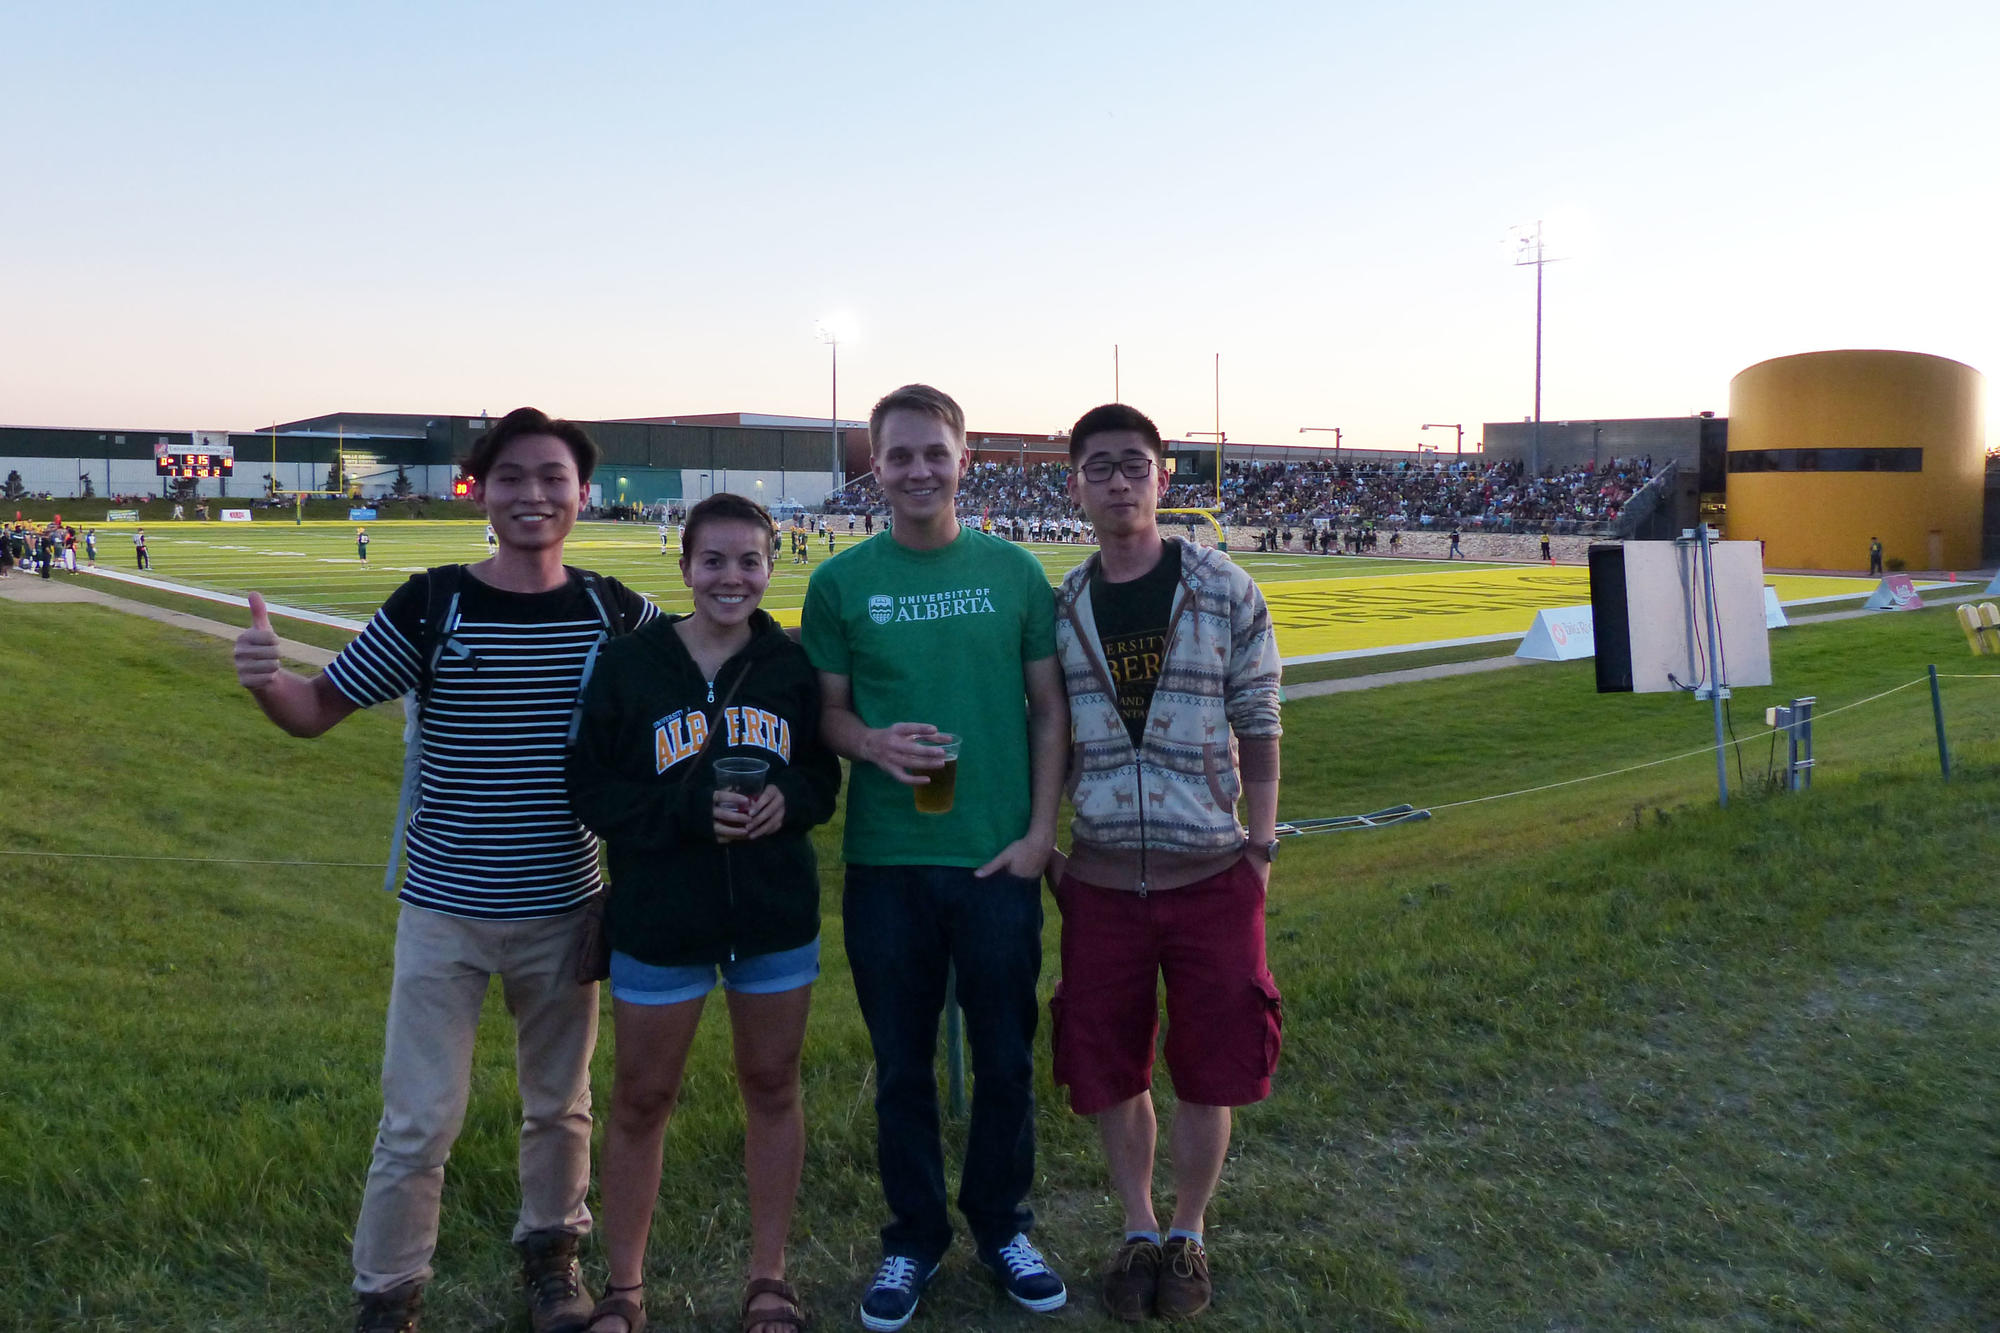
<point>904,925</point>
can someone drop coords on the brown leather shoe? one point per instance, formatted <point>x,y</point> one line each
<point>1185,1289</point>
<point>1131,1280</point>
<point>552,1281</point>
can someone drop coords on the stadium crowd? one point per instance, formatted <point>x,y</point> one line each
<point>1492,497</point>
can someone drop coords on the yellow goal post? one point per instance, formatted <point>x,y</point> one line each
<point>1214,517</point>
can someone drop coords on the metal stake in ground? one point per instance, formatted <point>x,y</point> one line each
<point>1937,715</point>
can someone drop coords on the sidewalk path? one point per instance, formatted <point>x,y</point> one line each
<point>1403,677</point>
<point>29,588</point>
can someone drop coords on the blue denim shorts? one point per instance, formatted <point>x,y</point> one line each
<point>763,974</point>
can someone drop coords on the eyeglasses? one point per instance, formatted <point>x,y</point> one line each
<point>1100,469</point>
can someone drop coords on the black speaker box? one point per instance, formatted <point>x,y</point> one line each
<point>1611,618</point>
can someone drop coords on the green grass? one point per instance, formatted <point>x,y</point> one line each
<point>314,567</point>
<point>326,636</point>
<point>304,631</point>
<point>1600,1057</point>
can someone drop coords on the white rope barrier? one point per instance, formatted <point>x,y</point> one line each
<point>188,860</point>
<point>1687,754</point>
<point>1448,805</point>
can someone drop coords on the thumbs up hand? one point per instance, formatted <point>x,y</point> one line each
<point>257,649</point>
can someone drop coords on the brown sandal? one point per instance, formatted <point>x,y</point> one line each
<point>793,1318</point>
<point>633,1313</point>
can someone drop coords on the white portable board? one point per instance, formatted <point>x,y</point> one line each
<point>1895,593</point>
<point>1663,584</point>
<point>1774,614</point>
<point>1561,634</point>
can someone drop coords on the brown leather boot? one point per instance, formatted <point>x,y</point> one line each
<point>391,1311</point>
<point>552,1281</point>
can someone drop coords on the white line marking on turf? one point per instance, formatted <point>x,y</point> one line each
<point>186,590</point>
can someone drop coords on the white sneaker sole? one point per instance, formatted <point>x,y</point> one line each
<point>878,1325</point>
<point>1044,1305</point>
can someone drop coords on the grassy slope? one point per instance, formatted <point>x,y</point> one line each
<point>304,631</point>
<point>1601,1057</point>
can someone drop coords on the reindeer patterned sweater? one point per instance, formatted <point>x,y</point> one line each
<point>1162,813</point>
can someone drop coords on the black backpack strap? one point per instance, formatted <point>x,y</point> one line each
<point>612,616</point>
<point>435,632</point>
<point>610,613</point>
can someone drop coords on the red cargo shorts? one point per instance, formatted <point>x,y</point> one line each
<point>1224,1022</point>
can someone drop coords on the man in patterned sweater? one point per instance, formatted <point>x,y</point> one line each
<point>1171,671</point>
<point>499,870</point>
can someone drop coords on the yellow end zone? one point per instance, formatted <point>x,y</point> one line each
<point>1314,616</point>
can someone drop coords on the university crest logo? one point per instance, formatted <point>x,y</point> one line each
<point>881,609</point>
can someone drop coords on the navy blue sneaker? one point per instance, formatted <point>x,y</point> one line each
<point>1031,1283</point>
<point>892,1297</point>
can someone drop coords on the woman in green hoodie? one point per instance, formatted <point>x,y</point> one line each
<point>706,880</point>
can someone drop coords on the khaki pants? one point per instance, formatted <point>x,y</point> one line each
<point>443,966</point>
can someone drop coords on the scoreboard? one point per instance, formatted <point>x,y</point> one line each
<point>211,455</point>
<point>194,465</point>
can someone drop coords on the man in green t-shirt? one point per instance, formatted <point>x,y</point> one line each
<point>927,633</point>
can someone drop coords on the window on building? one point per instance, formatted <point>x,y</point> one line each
<point>1827,460</point>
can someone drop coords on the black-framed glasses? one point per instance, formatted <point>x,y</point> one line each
<point>1100,469</point>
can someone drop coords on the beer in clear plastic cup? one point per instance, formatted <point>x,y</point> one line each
<point>934,797</point>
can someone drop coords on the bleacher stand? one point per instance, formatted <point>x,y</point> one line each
<point>1418,495</point>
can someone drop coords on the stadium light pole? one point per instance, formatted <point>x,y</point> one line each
<point>1336,438</point>
<point>1529,249</point>
<point>833,333</point>
<point>1452,425</point>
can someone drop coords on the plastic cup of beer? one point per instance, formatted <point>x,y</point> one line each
<point>743,776</point>
<point>934,797</point>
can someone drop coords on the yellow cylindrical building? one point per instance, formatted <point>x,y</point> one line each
<point>1829,450</point>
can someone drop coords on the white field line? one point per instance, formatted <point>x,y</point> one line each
<point>230,599</point>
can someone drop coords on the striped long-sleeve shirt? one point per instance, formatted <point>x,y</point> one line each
<point>492,835</point>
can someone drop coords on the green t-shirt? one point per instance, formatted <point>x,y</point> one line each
<point>941,637</point>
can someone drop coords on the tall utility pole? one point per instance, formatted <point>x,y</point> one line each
<point>1530,250</point>
<point>831,337</point>
<point>1452,425</point>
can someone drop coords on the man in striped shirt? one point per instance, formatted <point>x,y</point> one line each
<point>498,869</point>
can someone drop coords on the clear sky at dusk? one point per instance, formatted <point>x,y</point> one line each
<point>220,215</point>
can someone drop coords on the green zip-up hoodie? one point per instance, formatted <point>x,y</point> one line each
<point>677,896</point>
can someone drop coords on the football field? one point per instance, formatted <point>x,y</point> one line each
<point>1320,604</point>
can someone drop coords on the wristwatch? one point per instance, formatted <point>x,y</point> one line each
<point>1267,850</point>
